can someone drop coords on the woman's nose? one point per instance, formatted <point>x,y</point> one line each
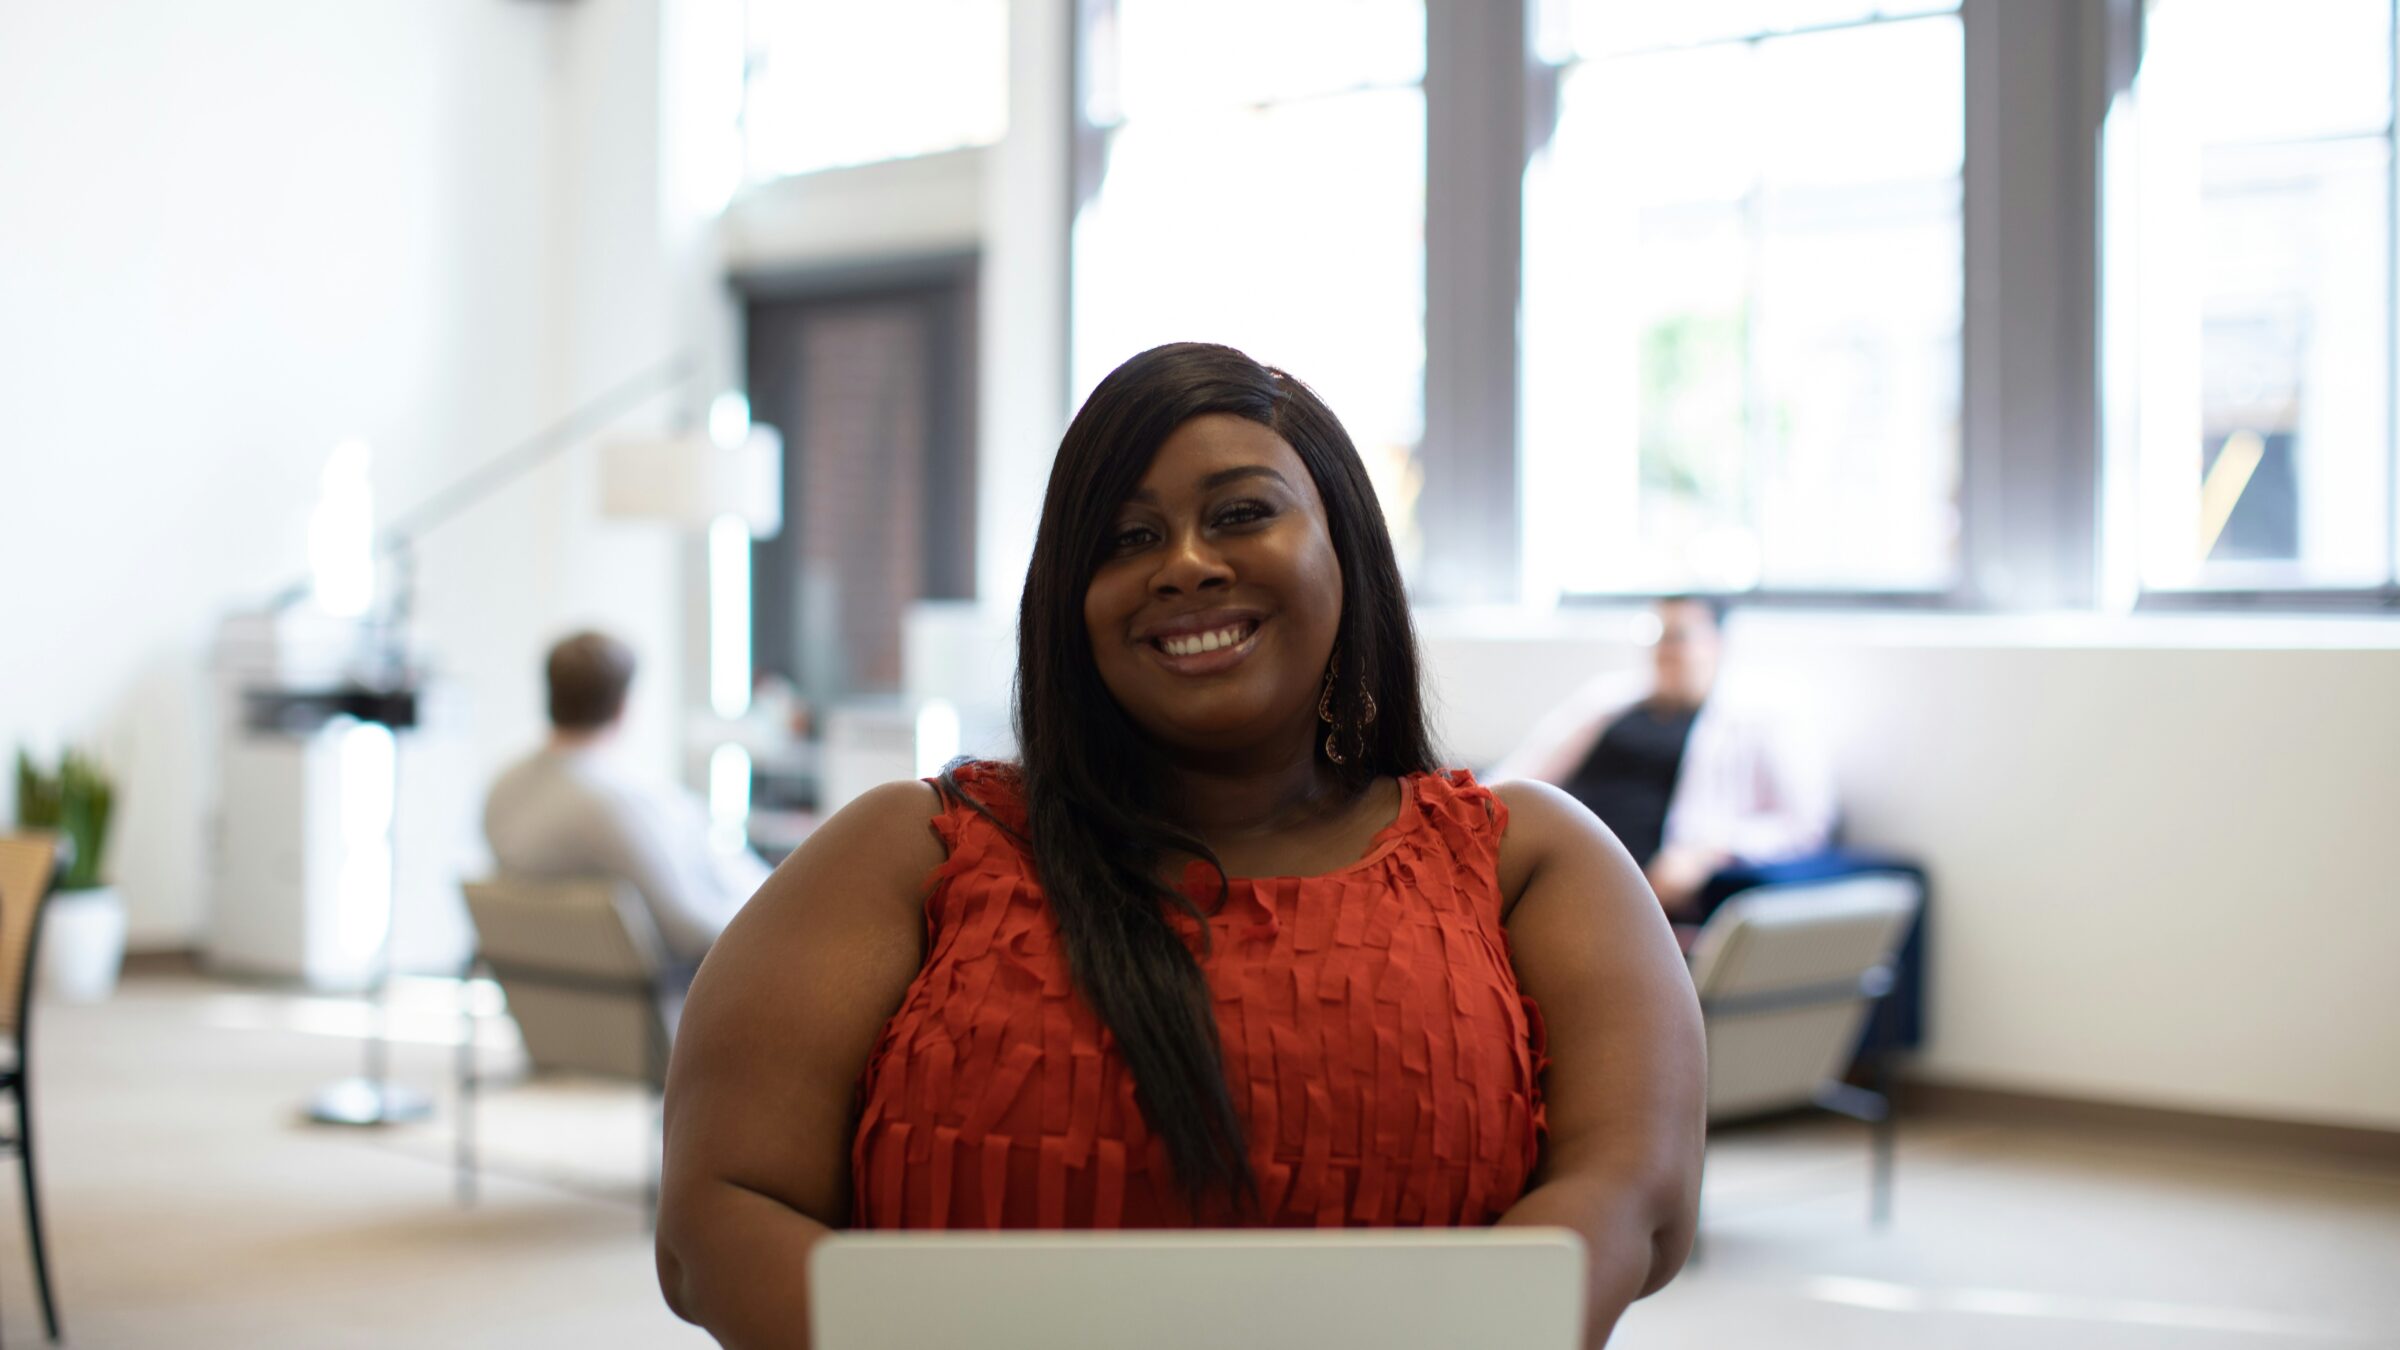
<point>1190,564</point>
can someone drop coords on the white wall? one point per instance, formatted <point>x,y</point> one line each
<point>232,235</point>
<point>2166,869</point>
<point>2163,851</point>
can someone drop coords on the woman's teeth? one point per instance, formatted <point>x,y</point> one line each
<point>1196,643</point>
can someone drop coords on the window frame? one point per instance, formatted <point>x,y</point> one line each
<point>1086,172</point>
<point>2125,38</point>
<point>2040,451</point>
<point>1547,78</point>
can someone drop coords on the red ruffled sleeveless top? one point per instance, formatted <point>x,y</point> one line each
<point>1385,1066</point>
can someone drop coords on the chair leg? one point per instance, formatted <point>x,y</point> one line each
<point>653,1146</point>
<point>1880,1211</point>
<point>469,1167</point>
<point>33,1209</point>
<point>1884,1142</point>
<point>654,1156</point>
<point>654,1099</point>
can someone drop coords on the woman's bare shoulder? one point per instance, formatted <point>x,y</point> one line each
<point>877,850</point>
<point>902,809</point>
<point>1539,806</point>
<point>1544,824</point>
<point>825,949</point>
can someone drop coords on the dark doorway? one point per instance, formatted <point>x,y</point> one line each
<point>869,373</point>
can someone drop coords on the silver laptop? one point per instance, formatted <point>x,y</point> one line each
<point>1391,1289</point>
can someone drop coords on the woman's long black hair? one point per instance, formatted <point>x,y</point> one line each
<point>1100,839</point>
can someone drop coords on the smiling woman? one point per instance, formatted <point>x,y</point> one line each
<point>1219,591</point>
<point>1225,948</point>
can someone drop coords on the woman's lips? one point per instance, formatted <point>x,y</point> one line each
<point>1212,660</point>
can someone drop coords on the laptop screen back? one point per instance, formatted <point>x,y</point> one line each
<point>1435,1289</point>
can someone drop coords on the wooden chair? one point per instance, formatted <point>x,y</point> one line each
<point>28,865</point>
<point>581,966</point>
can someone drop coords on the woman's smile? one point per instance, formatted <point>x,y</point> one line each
<point>1204,644</point>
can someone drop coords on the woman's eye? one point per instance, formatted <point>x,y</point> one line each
<point>1132,536</point>
<point>1243,513</point>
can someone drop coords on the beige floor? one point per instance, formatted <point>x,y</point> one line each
<point>190,1208</point>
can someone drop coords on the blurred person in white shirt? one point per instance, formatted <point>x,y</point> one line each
<point>574,809</point>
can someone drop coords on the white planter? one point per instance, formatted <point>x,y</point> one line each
<point>83,944</point>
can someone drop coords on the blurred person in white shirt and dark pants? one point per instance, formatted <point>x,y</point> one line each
<point>1698,776</point>
<point>572,809</point>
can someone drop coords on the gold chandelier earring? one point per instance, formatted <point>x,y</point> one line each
<point>1358,731</point>
<point>1325,709</point>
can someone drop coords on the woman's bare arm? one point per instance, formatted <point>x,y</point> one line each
<point>774,1036</point>
<point>1627,1084</point>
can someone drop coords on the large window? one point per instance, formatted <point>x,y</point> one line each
<point>2263,212</point>
<point>1742,299</point>
<point>829,83</point>
<point>1253,172</point>
<point>1749,349</point>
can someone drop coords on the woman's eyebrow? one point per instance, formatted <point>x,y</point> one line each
<point>1217,480</point>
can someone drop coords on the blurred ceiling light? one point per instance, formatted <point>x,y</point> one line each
<point>694,480</point>
<point>937,736</point>
<point>341,533</point>
<point>728,483</point>
<point>728,795</point>
<point>729,617</point>
<point>729,418</point>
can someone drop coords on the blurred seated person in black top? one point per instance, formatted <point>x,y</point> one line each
<point>1697,775</point>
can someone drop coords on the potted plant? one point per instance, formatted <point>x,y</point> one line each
<point>83,932</point>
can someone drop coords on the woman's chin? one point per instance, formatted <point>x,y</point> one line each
<point>1209,736</point>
